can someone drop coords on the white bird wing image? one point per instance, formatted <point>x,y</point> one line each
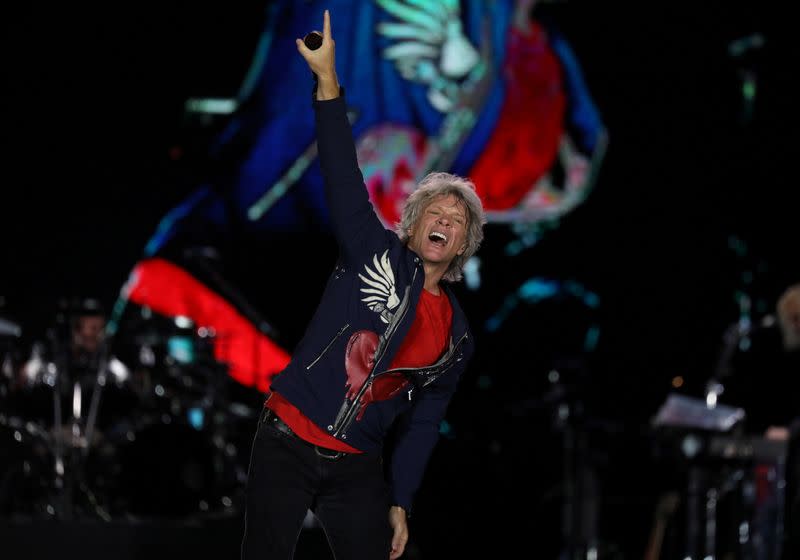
<point>429,46</point>
<point>381,295</point>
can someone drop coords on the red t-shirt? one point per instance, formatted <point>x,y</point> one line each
<point>427,339</point>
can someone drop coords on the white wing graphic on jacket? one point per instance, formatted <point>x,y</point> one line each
<point>381,295</point>
<point>430,46</point>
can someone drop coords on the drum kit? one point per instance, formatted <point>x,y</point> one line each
<point>145,426</point>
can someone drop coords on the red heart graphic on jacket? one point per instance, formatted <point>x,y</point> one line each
<point>359,360</point>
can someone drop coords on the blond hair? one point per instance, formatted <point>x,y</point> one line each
<point>439,184</point>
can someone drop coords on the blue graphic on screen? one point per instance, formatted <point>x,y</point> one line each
<point>429,86</point>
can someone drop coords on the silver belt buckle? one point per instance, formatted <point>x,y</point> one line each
<point>324,455</point>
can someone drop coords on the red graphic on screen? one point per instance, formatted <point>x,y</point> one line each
<point>253,359</point>
<point>391,157</point>
<point>525,141</point>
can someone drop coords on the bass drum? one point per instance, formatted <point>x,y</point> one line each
<point>173,470</point>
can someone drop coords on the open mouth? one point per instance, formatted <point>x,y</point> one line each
<point>438,238</point>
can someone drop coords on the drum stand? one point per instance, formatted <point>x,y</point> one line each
<point>581,488</point>
<point>69,477</point>
<point>580,498</point>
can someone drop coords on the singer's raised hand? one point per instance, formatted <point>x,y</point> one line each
<point>322,61</point>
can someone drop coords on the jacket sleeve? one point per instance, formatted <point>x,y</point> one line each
<point>417,435</point>
<point>354,222</point>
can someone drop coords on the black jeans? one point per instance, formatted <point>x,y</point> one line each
<point>287,478</point>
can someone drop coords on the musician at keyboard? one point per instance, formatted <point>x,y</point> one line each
<point>762,379</point>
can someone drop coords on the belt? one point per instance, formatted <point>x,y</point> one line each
<point>269,417</point>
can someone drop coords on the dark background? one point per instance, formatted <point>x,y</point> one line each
<point>97,150</point>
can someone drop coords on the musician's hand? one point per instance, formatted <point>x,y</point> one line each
<point>777,433</point>
<point>397,519</point>
<point>322,61</point>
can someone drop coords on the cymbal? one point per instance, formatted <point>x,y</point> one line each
<point>9,328</point>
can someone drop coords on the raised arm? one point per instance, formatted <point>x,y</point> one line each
<point>353,219</point>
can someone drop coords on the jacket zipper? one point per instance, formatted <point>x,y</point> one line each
<point>344,421</point>
<point>443,359</point>
<point>328,347</point>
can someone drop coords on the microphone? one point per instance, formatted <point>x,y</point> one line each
<point>313,41</point>
<point>734,335</point>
